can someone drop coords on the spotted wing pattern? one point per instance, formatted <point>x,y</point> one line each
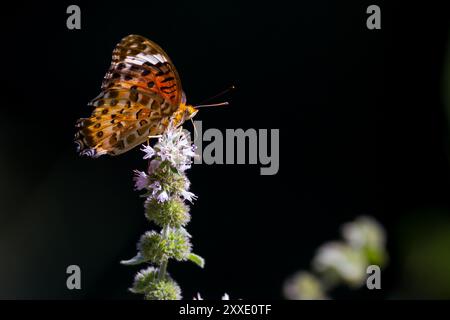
<point>140,92</point>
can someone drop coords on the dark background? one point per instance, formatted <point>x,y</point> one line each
<point>363,130</point>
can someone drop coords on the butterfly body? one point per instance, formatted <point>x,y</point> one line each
<point>141,95</point>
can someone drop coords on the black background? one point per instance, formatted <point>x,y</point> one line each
<point>362,127</point>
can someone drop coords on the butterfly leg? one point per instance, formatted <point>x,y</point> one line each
<point>150,137</point>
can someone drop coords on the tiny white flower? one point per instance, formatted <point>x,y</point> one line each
<point>224,297</point>
<point>155,187</point>
<point>184,167</point>
<point>189,152</point>
<point>189,196</point>
<point>163,196</point>
<point>149,151</point>
<point>140,180</point>
<point>175,147</point>
<point>199,297</point>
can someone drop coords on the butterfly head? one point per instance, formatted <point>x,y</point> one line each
<point>184,112</point>
<point>190,112</point>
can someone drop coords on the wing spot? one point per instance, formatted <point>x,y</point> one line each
<point>154,105</point>
<point>113,94</point>
<point>142,131</point>
<point>134,95</point>
<point>165,109</point>
<point>132,52</point>
<point>121,145</point>
<point>144,100</point>
<point>131,138</point>
<point>167,87</point>
<point>113,139</point>
<point>168,79</point>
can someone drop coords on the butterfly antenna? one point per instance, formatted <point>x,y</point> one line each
<point>213,105</point>
<point>229,89</point>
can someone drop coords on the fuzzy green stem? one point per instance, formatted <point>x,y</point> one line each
<point>163,266</point>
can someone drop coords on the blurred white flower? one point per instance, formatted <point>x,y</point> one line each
<point>367,235</point>
<point>342,260</point>
<point>364,232</point>
<point>304,286</point>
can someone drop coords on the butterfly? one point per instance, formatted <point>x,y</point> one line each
<point>141,96</point>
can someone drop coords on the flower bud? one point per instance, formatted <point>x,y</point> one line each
<point>143,279</point>
<point>164,289</point>
<point>155,248</point>
<point>173,212</point>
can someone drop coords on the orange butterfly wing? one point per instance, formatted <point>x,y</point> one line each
<point>140,93</point>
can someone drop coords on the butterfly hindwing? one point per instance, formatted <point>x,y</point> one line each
<point>118,123</point>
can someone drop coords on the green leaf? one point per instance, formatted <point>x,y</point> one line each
<point>138,259</point>
<point>195,258</point>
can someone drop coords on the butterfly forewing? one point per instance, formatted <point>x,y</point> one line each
<point>140,62</point>
<point>140,93</point>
